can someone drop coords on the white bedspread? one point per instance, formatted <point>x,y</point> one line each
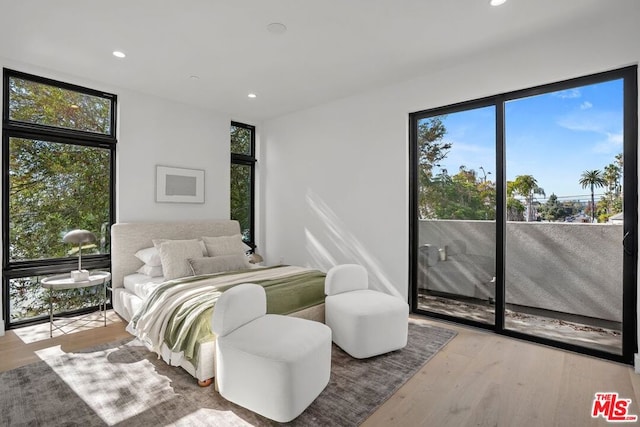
<point>149,324</point>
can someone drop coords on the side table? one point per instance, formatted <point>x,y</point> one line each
<point>65,282</point>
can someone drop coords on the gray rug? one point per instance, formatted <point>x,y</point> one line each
<point>123,384</point>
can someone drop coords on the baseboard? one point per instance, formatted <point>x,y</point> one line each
<point>636,362</point>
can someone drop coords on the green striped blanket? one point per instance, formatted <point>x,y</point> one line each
<point>178,312</point>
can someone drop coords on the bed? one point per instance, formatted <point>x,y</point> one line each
<point>150,302</point>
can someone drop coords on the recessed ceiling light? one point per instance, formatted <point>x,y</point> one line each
<point>497,2</point>
<point>118,54</point>
<point>276,28</point>
<point>252,95</point>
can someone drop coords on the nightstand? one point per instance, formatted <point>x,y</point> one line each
<point>65,282</point>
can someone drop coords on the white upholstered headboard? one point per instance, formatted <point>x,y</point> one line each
<point>127,238</point>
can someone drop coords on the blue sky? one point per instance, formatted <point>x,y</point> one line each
<point>554,137</point>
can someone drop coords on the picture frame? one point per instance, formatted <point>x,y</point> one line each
<point>179,185</point>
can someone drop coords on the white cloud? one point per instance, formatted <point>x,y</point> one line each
<point>613,144</point>
<point>586,105</point>
<point>568,94</point>
<point>591,121</point>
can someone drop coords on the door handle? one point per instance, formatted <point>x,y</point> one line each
<point>627,251</point>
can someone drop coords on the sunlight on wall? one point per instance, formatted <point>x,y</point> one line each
<point>334,244</point>
<point>322,259</point>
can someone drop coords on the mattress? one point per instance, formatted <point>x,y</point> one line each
<point>141,284</point>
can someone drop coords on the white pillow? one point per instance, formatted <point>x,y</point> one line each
<point>151,270</point>
<point>225,245</point>
<point>219,264</point>
<point>149,256</point>
<point>174,255</point>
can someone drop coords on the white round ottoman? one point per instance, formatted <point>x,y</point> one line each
<point>273,365</point>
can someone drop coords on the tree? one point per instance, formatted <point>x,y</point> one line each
<point>444,196</point>
<point>462,196</point>
<point>431,149</point>
<point>515,208</point>
<point>527,187</point>
<point>552,210</point>
<point>54,185</point>
<point>611,176</point>
<point>611,202</point>
<point>241,179</point>
<point>592,179</point>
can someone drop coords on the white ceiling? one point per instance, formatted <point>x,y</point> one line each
<point>331,49</point>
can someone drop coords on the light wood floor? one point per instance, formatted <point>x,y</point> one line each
<point>478,379</point>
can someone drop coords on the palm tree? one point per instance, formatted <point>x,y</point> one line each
<point>527,186</point>
<point>592,179</point>
<point>612,178</point>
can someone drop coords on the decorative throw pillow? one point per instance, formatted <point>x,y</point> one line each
<point>156,242</point>
<point>225,245</point>
<point>219,264</point>
<point>151,270</point>
<point>174,255</point>
<point>149,256</point>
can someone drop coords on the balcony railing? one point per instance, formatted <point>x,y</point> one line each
<point>558,267</point>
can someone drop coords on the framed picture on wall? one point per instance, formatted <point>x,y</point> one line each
<point>179,185</point>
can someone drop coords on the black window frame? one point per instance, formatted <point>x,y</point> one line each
<point>19,129</point>
<point>629,242</point>
<point>249,160</point>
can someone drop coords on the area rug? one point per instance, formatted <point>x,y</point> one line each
<point>123,384</point>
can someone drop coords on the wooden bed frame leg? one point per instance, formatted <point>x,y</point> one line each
<point>205,383</point>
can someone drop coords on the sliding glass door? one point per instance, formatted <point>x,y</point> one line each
<point>456,213</point>
<point>564,259</point>
<point>524,213</point>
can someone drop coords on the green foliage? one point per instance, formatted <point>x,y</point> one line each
<point>240,140</point>
<point>461,196</point>
<point>592,179</point>
<point>611,202</point>
<point>527,187</point>
<point>54,186</point>
<point>240,184</point>
<point>515,208</point>
<point>240,193</point>
<point>29,300</point>
<point>552,210</point>
<point>42,104</point>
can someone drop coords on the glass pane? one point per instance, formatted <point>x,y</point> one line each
<point>241,198</point>
<point>564,168</point>
<point>241,140</point>
<point>456,227</point>
<point>55,188</point>
<point>42,104</point>
<point>28,300</point>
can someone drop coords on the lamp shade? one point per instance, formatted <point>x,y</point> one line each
<point>78,237</point>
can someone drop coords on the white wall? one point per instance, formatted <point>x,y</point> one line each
<point>154,131</point>
<point>336,176</point>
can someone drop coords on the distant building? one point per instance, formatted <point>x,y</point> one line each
<point>616,219</point>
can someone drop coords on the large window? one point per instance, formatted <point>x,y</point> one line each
<point>242,191</point>
<point>525,212</point>
<point>58,151</point>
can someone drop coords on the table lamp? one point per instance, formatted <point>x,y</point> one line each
<point>79,237</point>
